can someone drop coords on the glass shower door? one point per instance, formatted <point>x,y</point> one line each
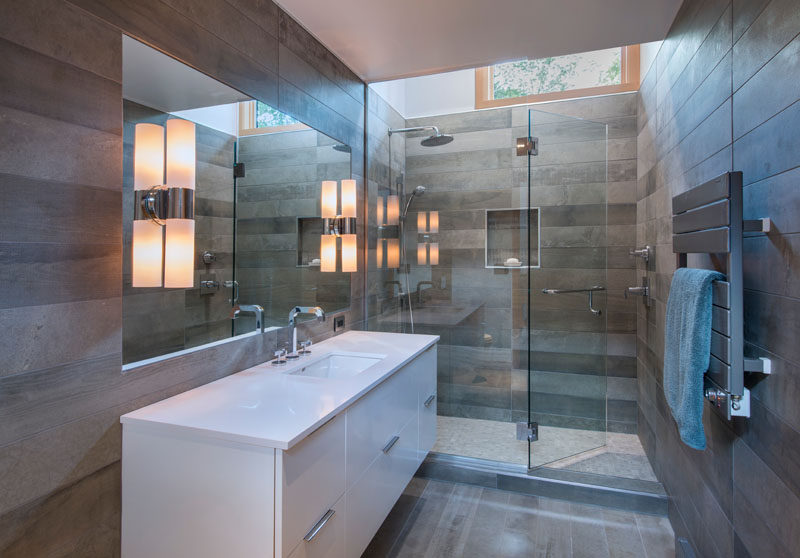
<point>567,299</point>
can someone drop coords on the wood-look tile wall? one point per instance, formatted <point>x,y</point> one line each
<point>61,386</point>
<point>584,242</point>
<point>722,95</point>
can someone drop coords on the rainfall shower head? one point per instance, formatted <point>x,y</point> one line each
<point>434,140</point>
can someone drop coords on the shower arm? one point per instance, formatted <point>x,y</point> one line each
<point>414,129</point>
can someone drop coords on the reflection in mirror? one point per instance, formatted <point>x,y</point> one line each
<point>255,209</point>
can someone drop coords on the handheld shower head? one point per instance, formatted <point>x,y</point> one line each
<point>418,191</point>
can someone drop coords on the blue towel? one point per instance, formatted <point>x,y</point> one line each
<point>687,350</point>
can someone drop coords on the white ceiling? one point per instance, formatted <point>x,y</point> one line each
<point>390,39</point>
<point>156,80</point>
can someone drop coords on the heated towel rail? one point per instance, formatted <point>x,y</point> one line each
<point>708,219</point>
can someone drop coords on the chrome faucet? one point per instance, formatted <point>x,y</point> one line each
<point>316,310</point>
<point>255,309</point>
<point>419,291</point>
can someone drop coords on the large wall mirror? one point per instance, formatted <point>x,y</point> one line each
<point>256,228</point>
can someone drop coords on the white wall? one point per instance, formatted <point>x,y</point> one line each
<point>440,94</point>
<point>393,92</point>
<point>647,55</point>
<point>224,118</point>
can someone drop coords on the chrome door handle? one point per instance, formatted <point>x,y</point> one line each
<point>387,448</point>
<point>319,525</point>
<point>430,400</point>
<point>590,291</point>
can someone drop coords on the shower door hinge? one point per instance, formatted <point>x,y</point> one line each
<point>527,146</point>
<point>238,170</point>
<point>528,431</point>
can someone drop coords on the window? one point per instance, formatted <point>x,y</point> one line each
<point>256,117</point>
<point>599,72</point>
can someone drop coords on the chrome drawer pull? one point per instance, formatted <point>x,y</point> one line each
<point>391,444</point>
<point>318,527</point>
<point>430,400</point>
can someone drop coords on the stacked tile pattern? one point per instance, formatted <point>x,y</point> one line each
<point>61,148</point>
<point>722,95</point>
<point>481,313</point>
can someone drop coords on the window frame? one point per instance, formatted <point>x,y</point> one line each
<point>247,122</point>
<point>629,74</point>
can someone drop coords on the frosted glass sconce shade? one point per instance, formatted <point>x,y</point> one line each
<point>422,253</point>
<point>349,251</point>
<point>379,212</point>
<point>179,254</point>
<point>348,198</point>
<point>392,210</point>
<point>148,156</point>
<point>180,154</point>
<point>327,250</point>
<point>392,253</point>
<point>433,222</point>
<point>328,201</point>
<point>434,253</point>
<point>147,252</point>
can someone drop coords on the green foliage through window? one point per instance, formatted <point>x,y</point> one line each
<point>268,117</point>
<point>557,73</point>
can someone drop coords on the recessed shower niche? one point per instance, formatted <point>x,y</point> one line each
<point>506,242</point>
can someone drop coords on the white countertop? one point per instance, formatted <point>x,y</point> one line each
<point>267,406</point>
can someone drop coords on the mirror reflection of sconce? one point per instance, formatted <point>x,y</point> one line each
<point>427,225</point>
<point>163,225</point>
<point>337,224</point>
<point>388,215</point>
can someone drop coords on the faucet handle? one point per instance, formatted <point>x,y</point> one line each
<point>304,347</point>
<point>280,357</point>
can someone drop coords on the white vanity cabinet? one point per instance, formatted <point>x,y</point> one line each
<point>324,497</point>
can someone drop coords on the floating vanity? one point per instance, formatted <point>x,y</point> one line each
<point>294,461</point>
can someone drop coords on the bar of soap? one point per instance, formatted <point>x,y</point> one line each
<point>512,262</point>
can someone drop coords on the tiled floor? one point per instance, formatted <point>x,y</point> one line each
<point>435,519</point>
<point>588,451</point>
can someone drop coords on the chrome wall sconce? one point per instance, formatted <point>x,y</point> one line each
<point>427,226</point>
<point>163,222</point>
<point>387,251</point>
<point>338,224</point>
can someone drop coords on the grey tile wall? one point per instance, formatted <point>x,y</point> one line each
<point>722,96</point>
<point>61,276</point>
<point>479,312</point>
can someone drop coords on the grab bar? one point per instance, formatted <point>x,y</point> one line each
<point>590,290</point>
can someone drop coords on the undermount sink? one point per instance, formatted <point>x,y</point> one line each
<point>338,365</point>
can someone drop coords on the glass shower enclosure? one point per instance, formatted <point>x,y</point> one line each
<point>566,317</point>
<point>504,256</point>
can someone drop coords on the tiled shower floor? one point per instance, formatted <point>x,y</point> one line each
<point>588,451</point>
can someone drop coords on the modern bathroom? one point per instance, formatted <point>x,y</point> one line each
<point>369,279</point>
